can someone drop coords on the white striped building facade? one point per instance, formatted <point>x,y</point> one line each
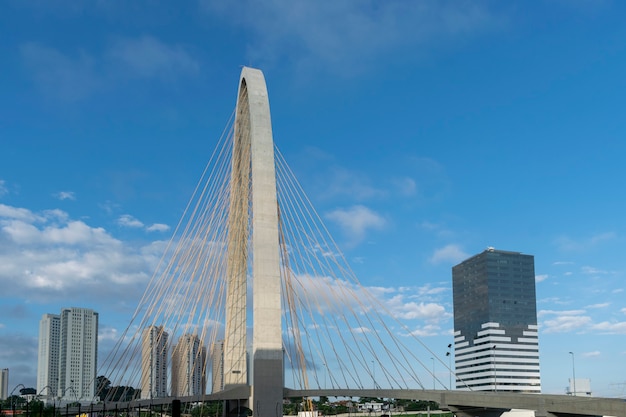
<point>497,362</point>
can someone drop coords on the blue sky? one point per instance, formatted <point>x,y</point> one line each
<point>422,131</point>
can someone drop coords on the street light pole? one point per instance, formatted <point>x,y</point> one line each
<point>433,359</point>
<point>449,355</point>
<point>495,370</point>
<point>13,399</point>
<point>573,373</point>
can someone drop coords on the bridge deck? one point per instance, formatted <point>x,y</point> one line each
<point>543,404</point>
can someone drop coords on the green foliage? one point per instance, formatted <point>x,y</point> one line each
<point>417,405</point>
<point>364,400</point>
<point>208,409</point>
<point>103,386</point>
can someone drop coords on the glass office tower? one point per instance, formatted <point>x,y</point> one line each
<point>496,341</point>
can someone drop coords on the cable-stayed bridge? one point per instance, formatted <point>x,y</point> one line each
<point>253,276</point>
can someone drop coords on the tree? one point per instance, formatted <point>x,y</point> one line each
<point>419,405</point>
<point>103,385</point>
<point>208,409</point>
<point>28,391</point>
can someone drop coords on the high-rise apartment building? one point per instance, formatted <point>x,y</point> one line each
<point>154,363</point>
<point>78,353</point>
<point>217,366</point>
<point>188,367</point>
<point>48,355</point>
<point>4,383</point>
<point>496,341</point>
<point>68,354</point>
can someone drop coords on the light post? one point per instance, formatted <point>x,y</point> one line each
<point>43,389</point>
<point>71,389</point>
<point>433,359</point>
<point>573,373</point>
<point>13,399</point>
<point>495,369</point>
<point>47,396</point>
<point>373,375</point>
<point>449,355</point>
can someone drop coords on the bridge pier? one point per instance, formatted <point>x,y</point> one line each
<point>235,408</point>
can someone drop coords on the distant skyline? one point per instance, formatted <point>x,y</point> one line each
<point>423,132</point>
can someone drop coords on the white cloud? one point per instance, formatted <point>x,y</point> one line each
<point>429,312</point>
<point>158,227</point>
<point>8,212</point>
<point>69,78</point>
<point>566,323</point>
<point>589,270</point>
<point>541,277</point>
<point>568,244</point>
<point>426,331</point>
<point>611,327</point>
<point>333,295</point>
<point>356,221</point>
<point>428,290</point>
<point>451,253</point>
<point>361,330</point>
<point>542,313</point>
<point>148,57</point>
<point>406,186</point>
<point>46,256</point>
<point>578,321</point>
<point>357,185</point>
<point>603,237</point>
<point>3,188</point>
<point>333,36</point>
<point>358,260</point>
<point>20,232</point>
<point>108,334</point>
<point>127,220</point>
<point>439,229</point>
<point>76,232</point>
<point>426,225</point>
<point>593,354</point>
<point>65,195</point>
<point>75,76</point>
<point>599,305</point>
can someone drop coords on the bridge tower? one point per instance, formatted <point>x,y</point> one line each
<point>254,214</point>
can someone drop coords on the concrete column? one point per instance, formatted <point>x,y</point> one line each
<point>253,134</point>
<point>267,385</point>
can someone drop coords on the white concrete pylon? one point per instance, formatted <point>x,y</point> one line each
<point>254,178</point>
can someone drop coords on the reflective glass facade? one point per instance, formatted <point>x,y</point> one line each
<point>495,322</point>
